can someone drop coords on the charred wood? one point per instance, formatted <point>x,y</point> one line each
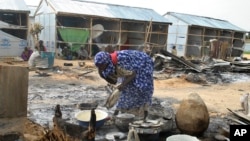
<point>182,61</point>
<point>65,131</point>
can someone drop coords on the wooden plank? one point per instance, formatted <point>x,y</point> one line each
<point>241,116</point>
<point>13,91</point>
<point>237,120</point>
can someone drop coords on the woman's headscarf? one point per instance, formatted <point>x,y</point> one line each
<point>104,58</point>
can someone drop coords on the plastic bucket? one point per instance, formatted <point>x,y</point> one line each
<point>181,138</point>
<point>50,56</point>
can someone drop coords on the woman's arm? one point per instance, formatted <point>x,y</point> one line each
<point>108,79</point>
<point>127,79</point>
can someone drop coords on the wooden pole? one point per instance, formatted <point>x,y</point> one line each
<point>13,98</point>
<point>148,30</point>
<point>90,40</point>
<point>13,91</point>
<point>120,35</point>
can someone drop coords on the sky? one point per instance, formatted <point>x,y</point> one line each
<point>235,11</point>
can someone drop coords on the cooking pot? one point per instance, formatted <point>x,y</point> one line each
<point>122,121</point>
<point>83,117</point>
<point>148,130</point>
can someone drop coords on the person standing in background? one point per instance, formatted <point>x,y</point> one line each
<point>174,51</point>
<point>41,46</point>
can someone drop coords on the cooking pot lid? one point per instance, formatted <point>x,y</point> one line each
<point>147,123</point>
<point>125,116</point>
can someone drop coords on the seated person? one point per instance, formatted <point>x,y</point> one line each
<point>67,54</point>
<point>82,53</point>
<point>26,54</point>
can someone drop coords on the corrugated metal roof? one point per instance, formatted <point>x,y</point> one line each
<point>32,10</point>
<point>205,21</point>
<point>106,10</point>
<point>13,5</point>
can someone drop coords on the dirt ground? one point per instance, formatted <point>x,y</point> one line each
<point>217,97</point>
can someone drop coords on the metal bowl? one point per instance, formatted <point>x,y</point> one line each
<point>83,118</point>
<point>122,121</point>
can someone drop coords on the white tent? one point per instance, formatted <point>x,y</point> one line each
<point>13,27</point>
<point>11,45</point>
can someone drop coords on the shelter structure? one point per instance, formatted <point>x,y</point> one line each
<point>247,46</point>
<point>197,36</point>
<point>75,23</point>
<point>13,27</point>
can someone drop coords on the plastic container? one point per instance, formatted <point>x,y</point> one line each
<point>83,118</point>
<point>181,138</point>
<point>50,56</point>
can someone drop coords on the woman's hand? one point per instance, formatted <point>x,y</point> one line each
<point>120,87</point>
<point>127,80</point>
<point>108,79</point>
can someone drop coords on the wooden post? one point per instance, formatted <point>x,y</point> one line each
<point>13,91</point>
<point>148,32</point>
<point>13,98</point>
<point>90,40</point>
<point>120,34</point>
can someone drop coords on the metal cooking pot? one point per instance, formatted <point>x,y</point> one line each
<point>148,127</point>
<point>122,121</point>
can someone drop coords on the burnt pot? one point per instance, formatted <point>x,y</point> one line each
<point>149,137</point>
<point>122,121</point>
